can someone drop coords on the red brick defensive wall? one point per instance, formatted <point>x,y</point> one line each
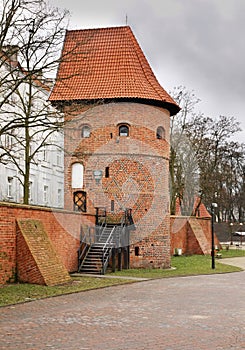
<point>192,235</point>
<point>62,227</point>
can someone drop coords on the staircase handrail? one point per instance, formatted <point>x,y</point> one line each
<point>87,242</point>
<point>100,230</point>
<point>126,221</point>
<point>106,251</point>
<point>82,253</point>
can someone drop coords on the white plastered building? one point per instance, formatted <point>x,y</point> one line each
<point>46,180</point>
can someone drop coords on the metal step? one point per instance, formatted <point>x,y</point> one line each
<point>93,260</point>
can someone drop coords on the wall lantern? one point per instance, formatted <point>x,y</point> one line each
<point>98,175</point>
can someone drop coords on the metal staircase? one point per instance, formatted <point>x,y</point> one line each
<point>97,244</point>
<point>97,255</point>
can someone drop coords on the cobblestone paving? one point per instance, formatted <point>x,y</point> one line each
<point>194,313</point>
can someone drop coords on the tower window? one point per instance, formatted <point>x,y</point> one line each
<point>107,173</point>
<point>136,251</point>
<point>86,131</point>
<point>112,205</point>
<point>160,133</point>
<point>123,130</point>
<point>77,171</point>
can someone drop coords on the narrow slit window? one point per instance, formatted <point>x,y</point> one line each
<point>107,172</point>
<point>136,251</point>
<point>112,205</point>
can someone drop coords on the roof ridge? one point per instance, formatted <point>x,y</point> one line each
<point>98,28</point>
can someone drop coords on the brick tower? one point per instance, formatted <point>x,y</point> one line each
<point>116,137</point>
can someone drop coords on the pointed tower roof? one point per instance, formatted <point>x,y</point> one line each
<point>107,63</point>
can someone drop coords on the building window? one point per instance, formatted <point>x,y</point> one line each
<point>30,191</point>
<point>136,251</point>
<point>45,154</point>
<point>59,197</point>
<point>160,133</point>
<point>10,187</point>
<point>59,157</point>
<point>123,130</point>
<point>45,194</point>
<point>79,198</point>
<point>9,142</point>
<point>86,131</point>
<point>77,170</point>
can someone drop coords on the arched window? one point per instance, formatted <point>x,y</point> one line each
<point>123,130</point>
<point>160,133</point>
<point>86,131</point>
<point>77,175</point>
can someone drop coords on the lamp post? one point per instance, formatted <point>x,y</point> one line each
<point>213,205</point>
<point>231,229</point>
<point>241,224</point>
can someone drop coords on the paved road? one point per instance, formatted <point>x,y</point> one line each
<point>194,313</point>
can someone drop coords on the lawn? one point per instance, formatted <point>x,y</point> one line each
<point>22,292</point>
<point>181,266</point>
<point>232,253</point>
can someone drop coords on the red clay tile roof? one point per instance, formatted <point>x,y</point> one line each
<point>107,63</point>
<point>199,209</point>
<point>202,211</point>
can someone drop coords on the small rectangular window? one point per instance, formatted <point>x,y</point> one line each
<point>136,251</point>
<point>107,172</point>
<point>45,154</point>
<point>10,187</point>
<point>112,205</point>
<point>59,197</point>
<point>9,141</point>
<point>58,157</point>
<point>45,194</point>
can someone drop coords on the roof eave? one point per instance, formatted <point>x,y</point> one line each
<point>171,107</point>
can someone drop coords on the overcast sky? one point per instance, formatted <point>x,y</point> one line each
<point>199,44</point>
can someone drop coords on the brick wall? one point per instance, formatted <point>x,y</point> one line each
<point>182,235</point>
<point>178,226</point>
<point>62,227</point>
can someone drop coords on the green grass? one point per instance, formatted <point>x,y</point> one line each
<point>232,253</point>
<point>23,292</point>
<point>181,266</point>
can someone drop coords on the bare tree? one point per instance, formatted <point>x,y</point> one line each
<point>31,37</point>
<point>205,160</point>
<point>183,164</point>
